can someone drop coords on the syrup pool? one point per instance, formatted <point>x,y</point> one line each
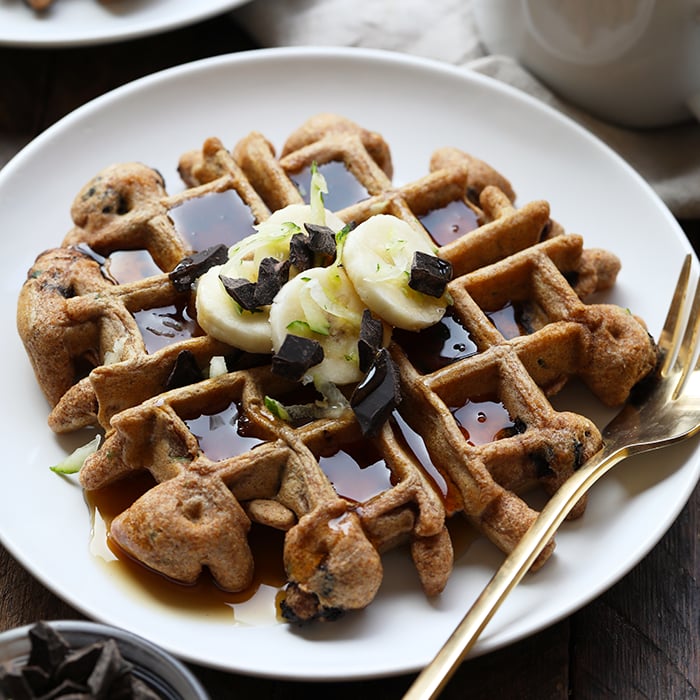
<point>256,605</point>
<point>344,188</point>
<point>450,222</point>
<point>217,217</point>
<point>437,346</point>
<point>220,435</point>
<point>508,321</point>
<point>165,325</point>
<point>482,422</point>
<point>357,472</point>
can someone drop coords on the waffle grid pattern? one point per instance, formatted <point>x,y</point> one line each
<point>199,512</point>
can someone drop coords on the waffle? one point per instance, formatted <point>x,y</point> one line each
<point>517,331</point>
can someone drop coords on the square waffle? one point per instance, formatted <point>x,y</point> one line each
<point>516,331</point>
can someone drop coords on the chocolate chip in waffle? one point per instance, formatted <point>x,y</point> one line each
<point>509,262</point>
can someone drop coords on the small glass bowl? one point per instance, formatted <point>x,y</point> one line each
<point>162,672</point>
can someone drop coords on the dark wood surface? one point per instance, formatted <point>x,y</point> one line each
<point>641,639</point>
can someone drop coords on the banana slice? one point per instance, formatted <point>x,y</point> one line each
<point>217,313</point>
<point>377,256</point>
<point>321,303</point>
<point>222,318</point>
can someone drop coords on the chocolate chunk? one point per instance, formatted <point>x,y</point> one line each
<point>26,683</point>
<point>543,459</point>
<point>371,336</point>
<point>96,670</point>
<point>109,665</point>
<point>78,665</point>
<point>321,241</point>
<point>377,395</point>
<point>429,274</point>
<point>185,371</point>
<point>295,356</point>
<point>241,290</point>
<point>272,274</point>
<point>300,253</point>
<point>237,359</point>
<point>194,266</point>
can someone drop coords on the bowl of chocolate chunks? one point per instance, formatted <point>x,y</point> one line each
<point>77,659</point>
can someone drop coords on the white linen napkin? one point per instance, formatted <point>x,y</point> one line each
<point>668,158</point>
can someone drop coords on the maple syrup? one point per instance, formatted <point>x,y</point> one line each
<point>437,346</point>
<point>124,266</point>
<point>483,421</point>
<point>221,435</point>
<point>344,188</point>
<point>217,217</point>
<point>203,596</point>
<point>357,472</point>
<point>414,443</point>
<point>450,222</point>
<point>165,325</point>
<point>509,321</point>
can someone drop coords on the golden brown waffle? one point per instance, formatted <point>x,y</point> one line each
<point>517,331</point>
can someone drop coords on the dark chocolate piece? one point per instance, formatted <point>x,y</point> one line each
<point>321,242</point>
<point>429,274</point>
<point>96,670</point>
<point>48,648</point>
<point>377,395</point>
<point>241,290</point>
<point>295,356</point>
<point>109,666</point>
<point>185,371</point>
<point>15,684</point>
<point>195,265</point>
<point>371,336</point>
<point>272,274</point>
<point>78,665</point>
<point>300,253</point>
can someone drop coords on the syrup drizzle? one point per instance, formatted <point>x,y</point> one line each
<point>483,421</point>
<point>124,266</point>
<point>357,472</point>
<point>415,444</point>
<point>344,188</point>
<point>508,321</point>
<point>165,325</point>
<point>220,435</point>
<point>217,217</point>
<point>437,346</point>
<point>450,222</point>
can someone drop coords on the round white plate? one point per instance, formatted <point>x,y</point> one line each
<point>82,22</point>
<point>418,106</point>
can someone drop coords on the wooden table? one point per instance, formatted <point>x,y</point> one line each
<point>641,639</point>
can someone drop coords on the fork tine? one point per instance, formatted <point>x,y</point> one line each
<point>686,352</point>
<point>670,337</point>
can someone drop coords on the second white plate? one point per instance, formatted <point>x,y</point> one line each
<point>82,22</point>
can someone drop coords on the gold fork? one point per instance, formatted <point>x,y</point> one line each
<point>668,411</point>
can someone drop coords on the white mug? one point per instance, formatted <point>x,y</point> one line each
<point>631,62</point>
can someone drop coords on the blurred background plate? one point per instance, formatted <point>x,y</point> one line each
<point>82,22</point>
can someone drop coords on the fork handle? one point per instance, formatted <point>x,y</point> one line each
<point>434,677</point>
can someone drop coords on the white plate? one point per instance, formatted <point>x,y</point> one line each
<point>82,22</point>
<point>418,106</point>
